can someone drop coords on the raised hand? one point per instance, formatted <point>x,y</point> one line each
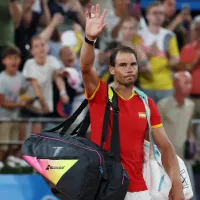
<point>95,24</point>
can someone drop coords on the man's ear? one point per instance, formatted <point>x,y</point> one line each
<point>112,70</point>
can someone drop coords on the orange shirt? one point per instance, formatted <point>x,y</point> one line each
<point>188,56</point>
<point>132,125</point>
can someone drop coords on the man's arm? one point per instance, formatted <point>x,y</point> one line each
<point>191,66</point>
<point>38,93</point>
<point>169,161</point>
<point>15,11</point>
<point>173,53</point>
<point>9,104</point>
<point>47,33</point>
<point>61,87</point>
<point>94,26</point>
<point>46,17</point>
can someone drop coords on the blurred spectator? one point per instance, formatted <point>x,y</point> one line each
<point>10,16</point>
<point>72,82</point>
<point>132,39</point>
<point>29,24</point>
<point>180,23</point>
<point>190,61</point>
<point>161,48</point>
<point>70,9</point>
<point>116,16</point>
<point>12,85</point>
<point>176,112</point>
<point>40,71</point>
<point>56,39</point>
<point>102,59</point>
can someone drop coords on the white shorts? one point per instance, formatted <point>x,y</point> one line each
<point>143,195</point>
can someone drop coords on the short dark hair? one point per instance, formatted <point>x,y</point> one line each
<point>153,4</point>
<point>11,51</point>
<point>121,49</point>
<point>111,45</point>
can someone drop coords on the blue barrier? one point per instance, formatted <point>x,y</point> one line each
<point>24,187</point>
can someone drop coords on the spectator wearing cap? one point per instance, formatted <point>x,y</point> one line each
<point>10,16</point>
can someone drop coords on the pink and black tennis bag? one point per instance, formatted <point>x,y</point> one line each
<point>76,167</point>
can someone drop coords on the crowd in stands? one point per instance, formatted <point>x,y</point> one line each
<point>40,43</point>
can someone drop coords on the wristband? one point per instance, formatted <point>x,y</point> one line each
<point>63,92</point>
<point>91,42</point>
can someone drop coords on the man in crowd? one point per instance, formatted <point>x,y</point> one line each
<point>10,16</point>
<point>124,67</point>
<point>40,72</point>
<point>177,112</point>
<point>12,85</point>
<point>180,23</point>
<point>161,48</point>
<point>190,61</point>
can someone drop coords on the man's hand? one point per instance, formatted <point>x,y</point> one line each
<point>45,108</point>
<point>58,19</point>
<point>22,104</point>
<point>153,50</point>
<point>64,98</point>
<point>176,192</point>
<point>95,24</point>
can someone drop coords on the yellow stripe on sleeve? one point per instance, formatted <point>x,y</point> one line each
<point>93,95</point>
<point>157,126</point>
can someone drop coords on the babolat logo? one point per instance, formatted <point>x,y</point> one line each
<point>54,167</point>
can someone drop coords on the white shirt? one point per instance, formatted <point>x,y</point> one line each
<point>44,76</point>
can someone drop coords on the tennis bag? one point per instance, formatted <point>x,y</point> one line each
<point>78,168</point>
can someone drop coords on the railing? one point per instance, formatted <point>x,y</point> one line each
<point>29,122</point>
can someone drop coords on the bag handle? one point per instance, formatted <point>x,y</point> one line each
<point>69,121</point>
<point>83,126</point>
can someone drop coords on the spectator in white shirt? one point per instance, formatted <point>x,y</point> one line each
<point>40,71</point>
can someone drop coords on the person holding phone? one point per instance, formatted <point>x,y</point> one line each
<point>180,23</point>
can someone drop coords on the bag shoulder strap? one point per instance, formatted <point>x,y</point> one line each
<point>69,121</point>
<point>144,98</point>
<point>112,102</point>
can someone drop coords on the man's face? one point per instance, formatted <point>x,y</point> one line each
<point>170,7</point>
<point>39,48</point>
<point>126,69</point>
<point>68,56</point>
<point>128,29</point>
<point>12,63</point>
<point>156,15</point>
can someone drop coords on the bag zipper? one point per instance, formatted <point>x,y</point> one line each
<point>50,138</point>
